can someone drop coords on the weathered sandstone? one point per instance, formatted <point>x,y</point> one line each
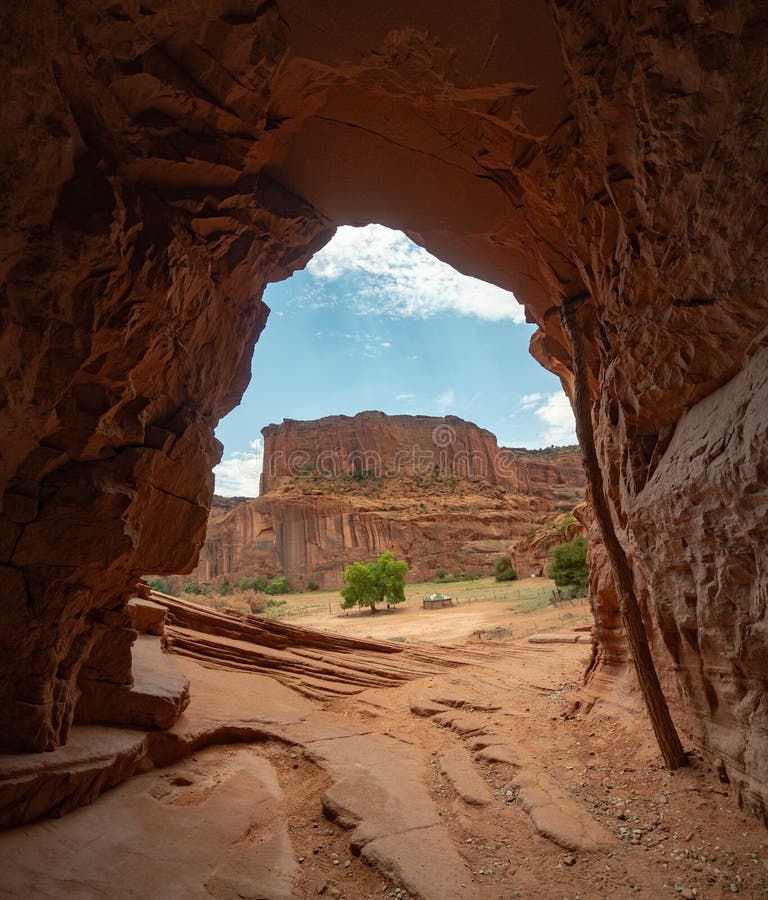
<point>161,163</point>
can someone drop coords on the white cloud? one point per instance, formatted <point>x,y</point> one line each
<point>557,415</point>
<point>405,396</point>
<point>530,400</point>
<point>395,277</point>
<point>446,399</point>
<point>238,474</point>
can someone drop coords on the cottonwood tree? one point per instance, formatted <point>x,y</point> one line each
<point>374,582</point>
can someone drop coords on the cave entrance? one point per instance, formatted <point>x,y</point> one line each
<point>398,381</point>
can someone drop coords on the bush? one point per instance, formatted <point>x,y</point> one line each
<point>226,588</point>
<point>441,574</point>
<point>313,586</point>
<point>568,519</point>
<point>278,585</point>
<point>192,587</point>
<point>569,564</point>
<point>257,583</point>
<point>256,604</point>
<point>272,602</point>
<point>157,584</point>
<point>503,571</point>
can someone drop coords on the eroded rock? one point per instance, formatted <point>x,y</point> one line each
<point>160,166</point>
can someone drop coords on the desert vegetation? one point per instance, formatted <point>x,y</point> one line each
<point>569,565</point>
<point>374,582</point>
<point>503,570</point>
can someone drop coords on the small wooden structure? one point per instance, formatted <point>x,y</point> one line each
<point>436,601</point>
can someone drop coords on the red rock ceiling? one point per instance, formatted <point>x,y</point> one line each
<point>162,162</point>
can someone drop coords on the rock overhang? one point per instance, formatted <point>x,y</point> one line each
<point>176,160</point>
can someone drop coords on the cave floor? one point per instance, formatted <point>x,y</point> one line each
<point>465,784</point>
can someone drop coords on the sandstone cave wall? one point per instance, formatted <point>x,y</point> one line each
<point>161,164</point>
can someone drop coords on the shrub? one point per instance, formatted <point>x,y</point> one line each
<point>226,588</point>
<point>313,586</point>
<point>441,574</point>
<point>272,602</point>
<point>256,604</point>
<point>157,584</point>
<point>278,585</point>
<point>569,564</point>
<point>192,587</point>
<point>503,571</point>
<point>256,583</point>
<point>568,519</point>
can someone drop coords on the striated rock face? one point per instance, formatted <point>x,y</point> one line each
<point>438,492</point>
<point>374,444</point>
<point>161,163</point>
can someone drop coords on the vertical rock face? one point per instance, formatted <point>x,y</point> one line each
<point>437,492</point>
<point>161,163</point>
<point>706,580</point>
<point>372,443</point>
<point>383,446</point>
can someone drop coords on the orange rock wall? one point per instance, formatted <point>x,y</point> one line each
<point>437,492</point>
<point>387,446</point>
<point>160,163</point>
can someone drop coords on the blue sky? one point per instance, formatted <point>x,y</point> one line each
<point>375,322</point>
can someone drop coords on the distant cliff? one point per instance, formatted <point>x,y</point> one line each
<point>438,492</point>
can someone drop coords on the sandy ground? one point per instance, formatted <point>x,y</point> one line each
<point>480,607</point>
<point>254,816</point>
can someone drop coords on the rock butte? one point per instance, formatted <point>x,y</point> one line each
<point>437,492</point>
<point>161,163</point>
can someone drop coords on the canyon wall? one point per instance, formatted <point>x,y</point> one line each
<point>372,443</point>
<point>161,163</point>
<point>437,491</point>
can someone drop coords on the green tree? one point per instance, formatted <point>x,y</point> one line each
<point>503,571</point>
<point>569,564</point>
<point>374,582</point>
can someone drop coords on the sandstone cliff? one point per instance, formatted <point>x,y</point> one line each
<point>438,492</point>
<point>162,162</point>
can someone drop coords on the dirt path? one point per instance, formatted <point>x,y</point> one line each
<point>469,784</point>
